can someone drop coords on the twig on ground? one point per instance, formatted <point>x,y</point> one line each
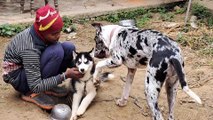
<point>105,100</point>
<point>203,81</point>
<point>110,118</point>
<point>140,107</point>
<point>123,78</point>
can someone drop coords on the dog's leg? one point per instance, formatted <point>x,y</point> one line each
<point>86,102</point>
<point>171,89</point>
<point>126,90</point>
<point>110,62</point>
<point>152,90</point>
<point>76,101</point>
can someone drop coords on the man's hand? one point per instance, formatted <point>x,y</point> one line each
<point>73,73</point>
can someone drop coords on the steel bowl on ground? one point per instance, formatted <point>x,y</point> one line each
<point>127,23</point>
<point>60,112</point>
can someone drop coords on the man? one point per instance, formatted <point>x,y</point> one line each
<point>35,62</point>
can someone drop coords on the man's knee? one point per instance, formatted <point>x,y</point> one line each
<point>68,49</point>
<point>55,51</point>
<point>68,46</point>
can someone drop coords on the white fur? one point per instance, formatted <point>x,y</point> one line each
<point>85,87</point>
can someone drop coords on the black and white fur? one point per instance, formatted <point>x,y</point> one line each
<point>134,48</point>
<point>84,88</point>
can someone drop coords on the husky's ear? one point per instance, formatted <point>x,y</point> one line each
<point>97,26</point>
<point>74,54</point>
<point>92,52</point>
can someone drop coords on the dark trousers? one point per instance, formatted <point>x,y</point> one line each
<point>54,60</point>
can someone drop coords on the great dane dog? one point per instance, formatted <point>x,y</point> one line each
<point>133,48</point>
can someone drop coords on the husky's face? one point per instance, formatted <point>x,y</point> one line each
<point>101,51</point>
<point>84,61</point>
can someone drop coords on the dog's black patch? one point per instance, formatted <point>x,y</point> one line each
<point>159,56</point>
<point>132,50</point>
<point>156,32</point>
<point>158,89</point>
<point>143,61</point>
<point>123,34</point>
<point>147,80</point>
<point>122,57</point>
<point>156,106</point>
<point>138,56</point>
<point>141,31</point>
<point>138,43</point>
<point>154,45</point>
<point>160,73</point>
<point>145,41</point>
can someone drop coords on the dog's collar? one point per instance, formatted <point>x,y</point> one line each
<point>111,33</point>
<point>86,80</point>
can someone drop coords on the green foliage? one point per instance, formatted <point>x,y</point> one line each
<point>122,15</point>
<point>210,21</point>
<point>167,16</point>
<point>67,22</point>
<point>207,51</point>
<point>143,20</point>
<point>203,14</point>
<point>203,44</point>
<point>180,11</point>
<point>182,40</point>
<point>200,11</point>
<point>160,10</point>
<point>9,30</point>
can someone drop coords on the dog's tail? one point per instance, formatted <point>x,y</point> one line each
<point>178,68</point>
<point>106,76</point>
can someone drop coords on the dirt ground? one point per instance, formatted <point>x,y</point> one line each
<point>199,74</point>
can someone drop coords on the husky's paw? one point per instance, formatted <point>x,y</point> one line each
<point>73,117</point>
<point>121,102</point>
<point>80,112</point>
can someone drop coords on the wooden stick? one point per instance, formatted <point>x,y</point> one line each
<point>187,12</point>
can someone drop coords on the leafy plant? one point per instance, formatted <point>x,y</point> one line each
<point>200,11</point>
<point>143,20</point>
<point>203,14</point>
<point>9,30</point>
<point>180,11</point>
<point>167,16</point>
<point>67,22</point>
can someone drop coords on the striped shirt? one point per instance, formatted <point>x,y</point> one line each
<point>25,50</point>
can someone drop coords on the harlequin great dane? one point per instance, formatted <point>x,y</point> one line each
<point>133,48</point>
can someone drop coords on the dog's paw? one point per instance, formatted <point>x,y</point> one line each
<point>121,102</point>
<point>80,112</point>
<point>73,117</point>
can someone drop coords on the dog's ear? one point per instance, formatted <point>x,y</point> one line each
<point>74,54</point>
<point>92,52</point>
<point>97,26</point>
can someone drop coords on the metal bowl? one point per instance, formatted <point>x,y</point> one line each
<point>127,23</point>
<point>60,112</point>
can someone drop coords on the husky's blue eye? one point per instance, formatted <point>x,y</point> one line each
<point>86,62</point>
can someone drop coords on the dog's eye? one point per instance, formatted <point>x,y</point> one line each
<point>86,62</point>
<point>78,62</point>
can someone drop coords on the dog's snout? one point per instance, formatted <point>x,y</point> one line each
<point>82,70</point>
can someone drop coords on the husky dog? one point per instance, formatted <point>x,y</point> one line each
<point>84,89</point>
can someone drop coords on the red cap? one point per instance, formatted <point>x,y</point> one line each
<point>47,20</point>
